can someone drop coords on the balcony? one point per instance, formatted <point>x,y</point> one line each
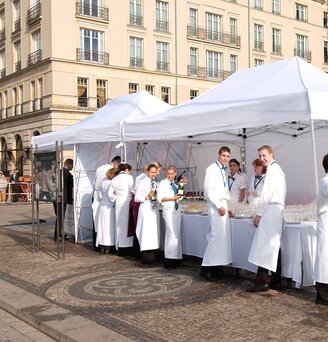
<point>259,45</point>
<point>92,56</point>
<point>202,72</point>
<point>18,66</point>
<point>2,72</point>
<point>213,36</point>
<point>2,35</point>
<point>136,63</point>
<point>136,20</point>
<point>34,14</point>
<point>162,26</point>
<point>17,27</point>
<point>34,57</point>
<point>162,66</point>
<point>83,102</point>
<point>276,49</point>
<point>90,10</point>
<point>305,54</point>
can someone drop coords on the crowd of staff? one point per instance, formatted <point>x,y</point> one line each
<point>128,220</point>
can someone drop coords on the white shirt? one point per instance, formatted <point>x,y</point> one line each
<point>236,183</point>
<point>322,200</point>
<point>274,188</point>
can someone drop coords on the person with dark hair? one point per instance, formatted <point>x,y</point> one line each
<point>268,222</point>
<point>147,230</point>
<point>96,196</point>
<point>106,218</point>
<point>218,250</point>
<point>236,182</point>
<point>67,196</point>
<point>123,188</point>
<point>15,185</point>
<point>320,274</point>
<point>256,184</point>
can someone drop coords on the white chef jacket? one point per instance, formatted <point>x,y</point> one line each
<point>236,184</point>
<point>172,218</point>
<point>147,230</point>
<point>123,187</point>
<point>218,250</point>
<point>256,185</point>
<point>266,243</point>
<point>320,273</point>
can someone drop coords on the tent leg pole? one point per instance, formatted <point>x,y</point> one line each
<point>314,158</point>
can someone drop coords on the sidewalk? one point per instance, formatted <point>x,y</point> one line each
<point>88,296</point>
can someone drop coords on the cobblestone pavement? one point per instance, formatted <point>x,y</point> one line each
<point>148,303</point>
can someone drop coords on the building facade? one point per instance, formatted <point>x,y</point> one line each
<point>60,60</point>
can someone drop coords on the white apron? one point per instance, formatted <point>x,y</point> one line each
<point>266,242</point>
<point>218,251</point>
<point>320,273</point>
<point>147,229</point>
<point>95,208</point>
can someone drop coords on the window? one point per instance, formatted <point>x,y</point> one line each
<point>193,93</point>
<point>193,68</point>
<point>16,16</point>
<point>233,63</point>
<point>35,55</point>
<point>33,96</point>
<point>101,93</point>
<point>276,6</point>
<point>82,92</point>
<point>258,37</point>
<point>325,19</point>
<point>258,62</point>
<point>165,94</point>
<point>90,7</point>
<point>213,26</point>
<point>301,12</point>
<point>276,41</point>
<point>133,88</point>
<point>136,60</point>
<point>136,12</point>
<point>2,63</point>
<point>39,94</point>
<point>193,22</point>
<point>2,26</point>
<point>4,104</point>
<point>17,56</point>
<point>20,100</point>
<point>325,52</point>
<point>15,101</point>
<point>150,89</point>
<point>213,64</point>
<point>301,46</point>
<point>162,16</point>
<point>92,46</point>
<point>233,30</point>
<point>258,4</point>
<point>162,56</point>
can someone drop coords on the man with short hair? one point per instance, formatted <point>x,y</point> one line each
<point>268,221</point>
<point>218,251</point>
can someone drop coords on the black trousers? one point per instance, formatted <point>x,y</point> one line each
<point>60,217</point>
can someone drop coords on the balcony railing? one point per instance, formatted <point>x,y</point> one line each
<point>162,66</point>
<point>37,104</point>
<point>18,65</point>
<point>3,72</point>
<point>83,101</point>
<point>34,57</point>
<point>162,26</point>
<point>136,20</point>
<point>17,27</point>
<point>214,36</point>
<point>92,56</point>
<point>136,63</point>
<point>92,10</point>
<point>259,45</point>
<point>33,14</point>
<point>202,72</point>
<point>276,49</point>
<point>305,54</point>
<point>2,35</point>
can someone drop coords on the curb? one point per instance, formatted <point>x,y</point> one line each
<point>53,320</point>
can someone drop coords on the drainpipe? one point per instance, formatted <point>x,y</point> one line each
<point>249,32</point>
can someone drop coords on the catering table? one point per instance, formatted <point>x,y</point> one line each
<point>298,245</point>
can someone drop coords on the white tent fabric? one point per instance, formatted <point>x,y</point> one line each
<point>283,91</point>
<point>106,124</point>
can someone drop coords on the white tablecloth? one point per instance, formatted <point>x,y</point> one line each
<point>298,245</point>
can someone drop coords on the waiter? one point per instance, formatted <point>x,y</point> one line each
<point>268,221</point>
<point>218,251</point>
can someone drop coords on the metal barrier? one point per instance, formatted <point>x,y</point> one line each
<point>24,193</point>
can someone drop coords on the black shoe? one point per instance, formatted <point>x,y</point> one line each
<point>208,275</point>
<point>320,300</point>
<point>169,267</point>
<point>276,286</point>
<point>258,288</point>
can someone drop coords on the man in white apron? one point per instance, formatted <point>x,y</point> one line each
<point>218,251</point>
<point>268,221</point>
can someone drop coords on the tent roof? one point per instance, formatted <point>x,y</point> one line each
<point>283,91</point>
<point>105,124</point>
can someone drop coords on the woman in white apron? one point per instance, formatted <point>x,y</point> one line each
<point>147,230</point>
<point>167,195</point>
<point>320,274</point>
<point>123,188</point>
<point>256,184</point>
<point>106,217</point>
